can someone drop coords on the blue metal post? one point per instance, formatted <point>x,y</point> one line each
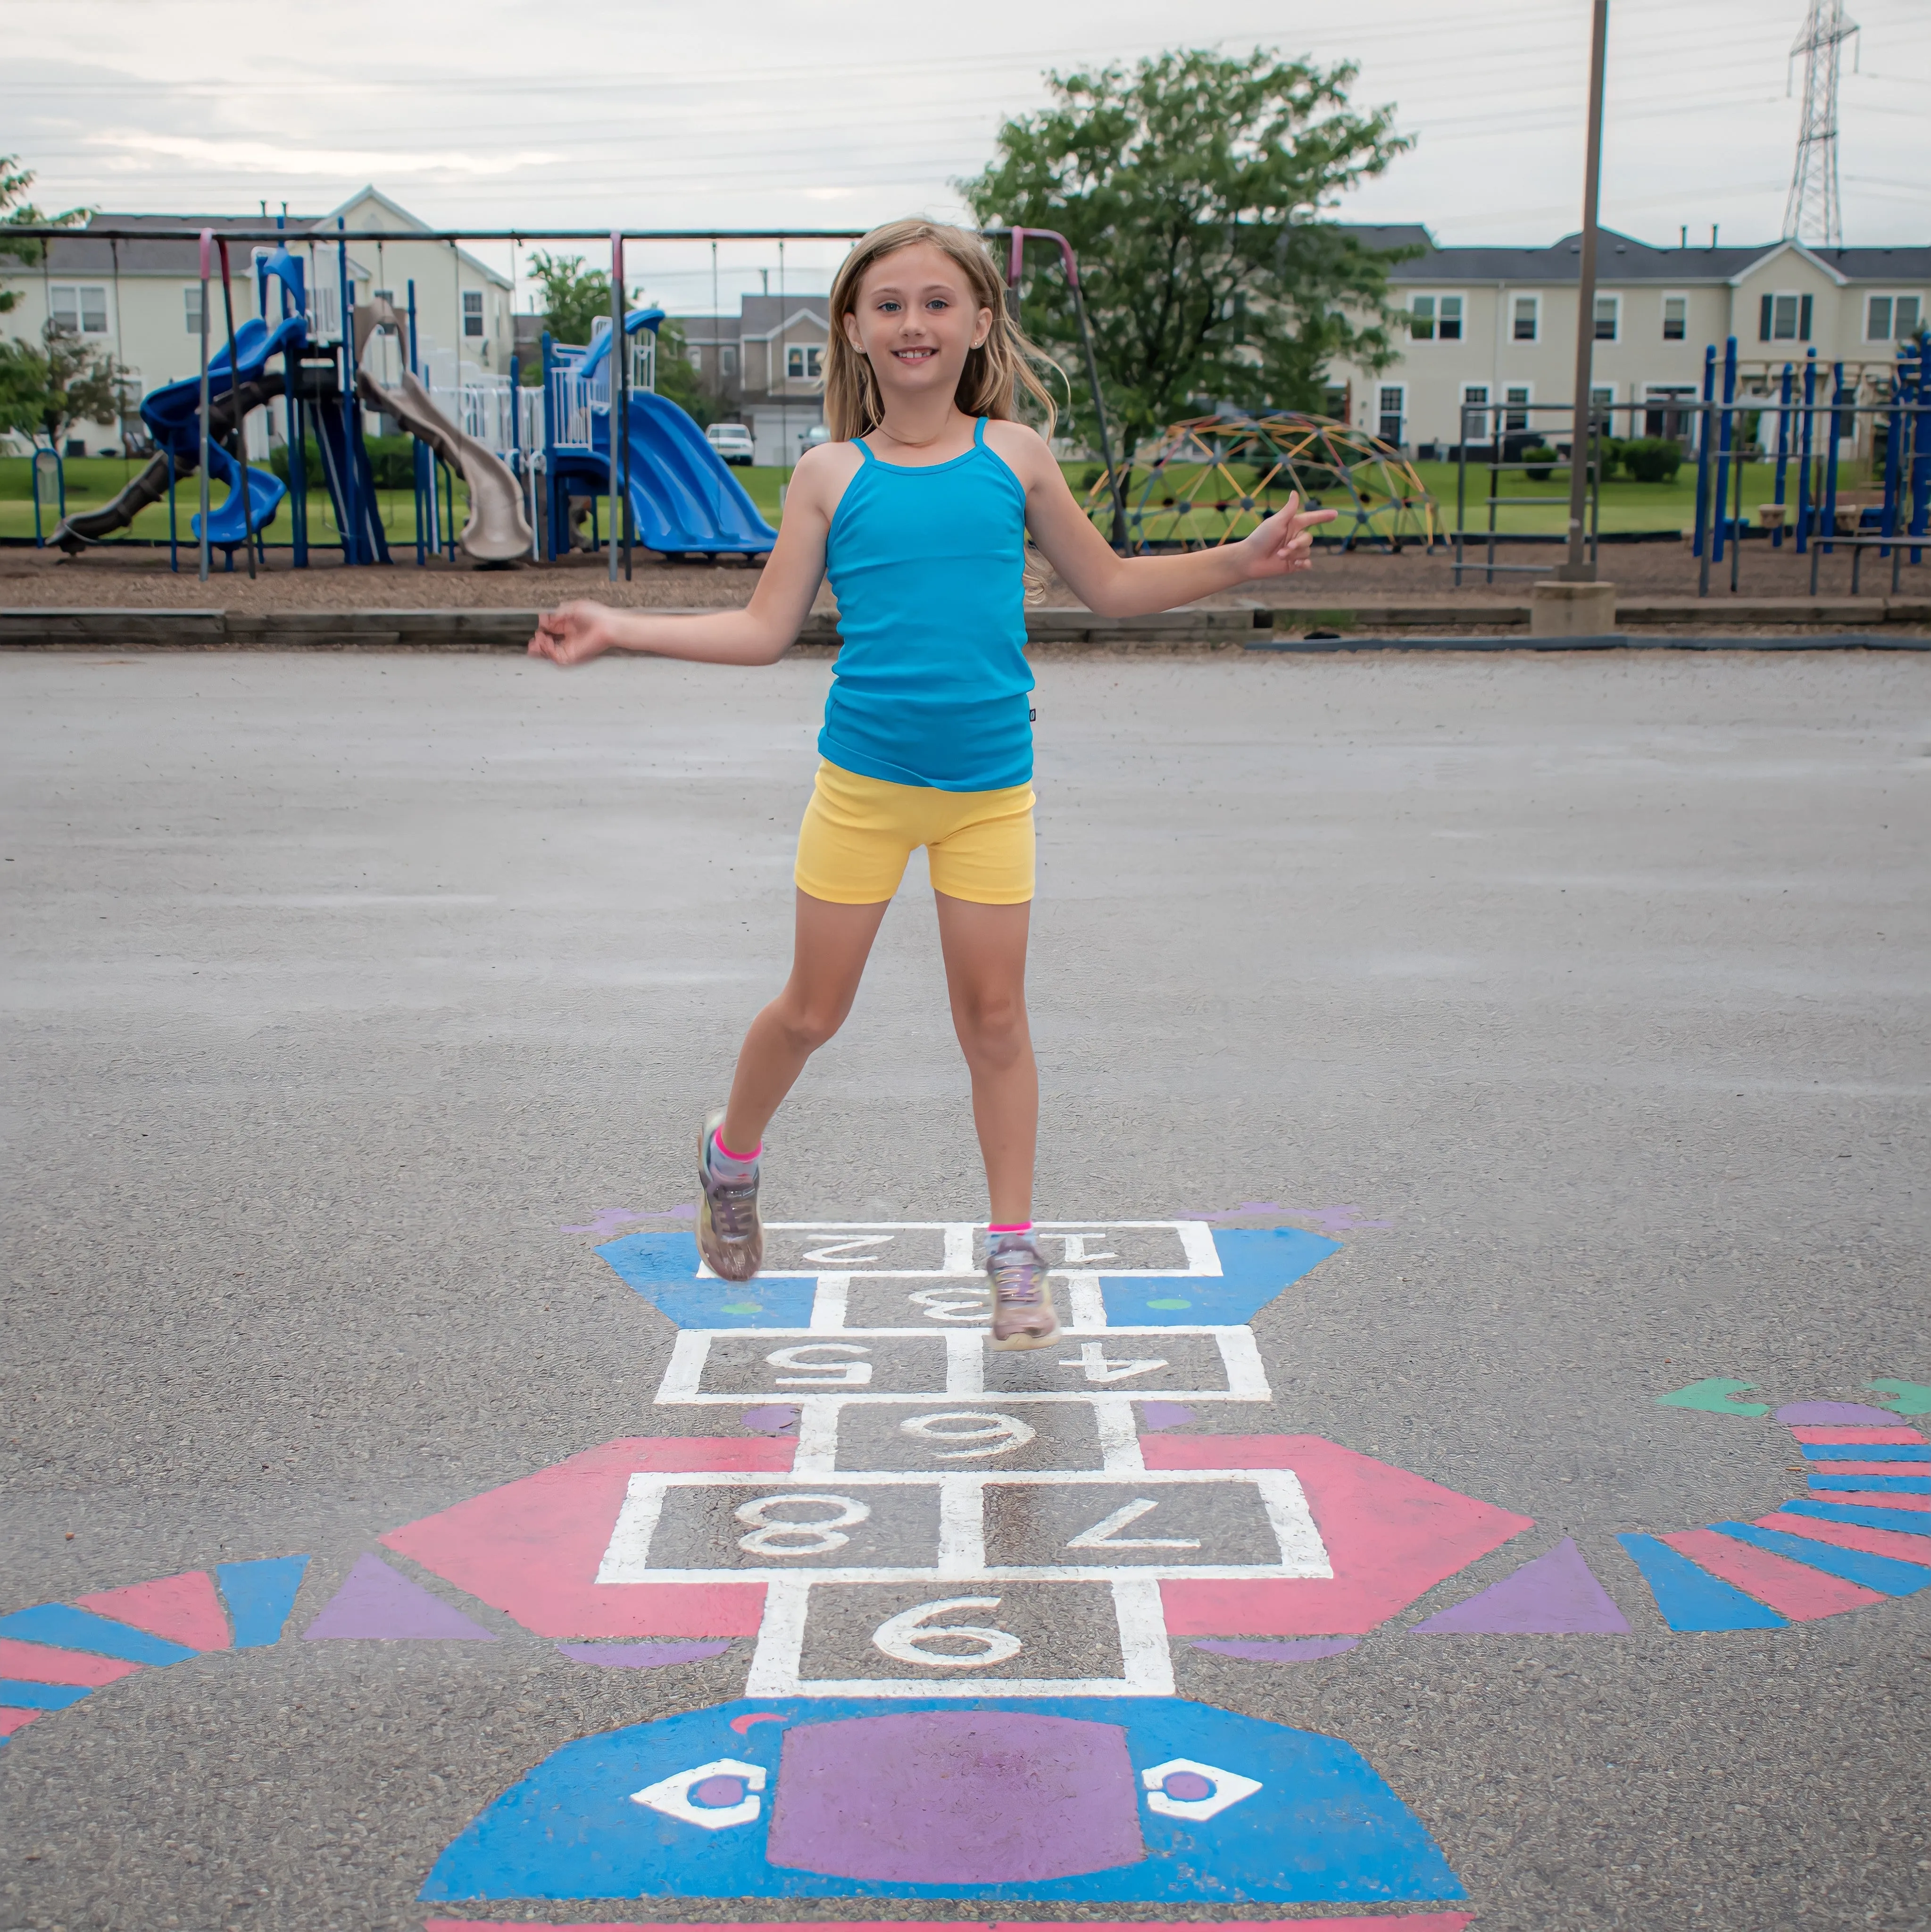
<point>1723,432</point>
<point>549,444</point>
<point>1703,429</point>
<point>352,482</point>
<point>1921,455</point>
<point>1831,458</point>
<point>1782,446</point>
<point>1806,438</point>
<point>420,455</point>
<point>174,548</point>
<point>1893,452</point>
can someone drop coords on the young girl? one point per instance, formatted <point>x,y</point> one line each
<point>919,510</point>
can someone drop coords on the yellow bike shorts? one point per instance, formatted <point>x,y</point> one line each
<point>859,832</point>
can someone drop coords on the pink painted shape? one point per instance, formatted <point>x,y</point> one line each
<point>41,1664</point>
<point>1848,1468</point>
<point>1815,1432</point>
<point>533,1547</point>
<point>1391,1538</point>
<point>1409,1921</point>
<point>12,1721</point>
<point>1788,1587</point>
<point>1853,1536</point>
<point>184,1609</point>
<point>1872,1499</point>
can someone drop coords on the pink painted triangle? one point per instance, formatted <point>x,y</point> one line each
<point>374,1602</point>
<point>184,1609</point>
<point>1549,1596</point>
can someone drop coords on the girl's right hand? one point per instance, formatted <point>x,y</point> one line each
<point>573,633</point>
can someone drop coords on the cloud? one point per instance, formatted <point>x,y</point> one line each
<point>274,158</point>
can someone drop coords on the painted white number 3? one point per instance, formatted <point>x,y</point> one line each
<point>902,1637</point>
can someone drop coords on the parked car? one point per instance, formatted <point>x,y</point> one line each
<point>732,442</point>
<point>817,434</point>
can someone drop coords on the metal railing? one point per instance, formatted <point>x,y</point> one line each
<point>1494,426</point>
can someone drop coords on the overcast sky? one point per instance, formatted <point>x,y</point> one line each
<point>811,113</point>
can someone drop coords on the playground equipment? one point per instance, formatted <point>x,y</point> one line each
<point>1214,479</point>
<point>683,499</point>
<point>497,532</point>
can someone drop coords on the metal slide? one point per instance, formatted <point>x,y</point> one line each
<point>497,531</point>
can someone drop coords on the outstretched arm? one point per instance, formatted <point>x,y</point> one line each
<point>1131,586</point>
<point>760,633</point>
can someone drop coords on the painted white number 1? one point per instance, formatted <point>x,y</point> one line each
<point>901,1637</point>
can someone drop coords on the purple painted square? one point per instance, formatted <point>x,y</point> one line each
<point>955,1798</point>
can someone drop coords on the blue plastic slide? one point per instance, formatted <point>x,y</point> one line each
<point>173,414</point>
<point>682,495</point>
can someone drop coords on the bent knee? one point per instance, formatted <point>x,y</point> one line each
<point>807,1027</point>
<point>993,1027</point>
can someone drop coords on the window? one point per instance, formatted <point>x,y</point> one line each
<point>804,363</point>
<point>191,304</point>
<point>472,312</point>
<point>1430,316</point>
<point>1516,416</point>
<point>694,355</point>
<point>1608,317</point>
<point>1392,398</point>
<point>730,359</point>
<point>1334,402</point>
<point>1891,318</point>
<point>82,310</point>
<point>1675,318</point>
<point>1527,326</point>
<point>1783,318</point>
<point>1661,417</point>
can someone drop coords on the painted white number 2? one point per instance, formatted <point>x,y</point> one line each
<point>902,1637</point>
<point>811,1537</point>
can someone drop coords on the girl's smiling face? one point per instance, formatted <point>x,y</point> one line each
<point>916,321</point>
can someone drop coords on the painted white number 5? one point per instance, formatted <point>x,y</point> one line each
<point>901,1637</point>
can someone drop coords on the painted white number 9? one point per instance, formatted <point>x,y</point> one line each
<point>997,1433</point>
<point>809,1538</point>
<point>902,1638</point>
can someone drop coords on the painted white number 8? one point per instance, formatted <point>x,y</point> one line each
<point>901,1637</point>
<point>827,1533</point>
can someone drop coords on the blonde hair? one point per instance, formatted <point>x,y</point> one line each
<point>993,373</point>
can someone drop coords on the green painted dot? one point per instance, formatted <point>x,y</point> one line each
<point>1170,1303</point>
<point>750,1308</point>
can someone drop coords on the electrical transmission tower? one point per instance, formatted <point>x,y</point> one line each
<point>1814,211</point>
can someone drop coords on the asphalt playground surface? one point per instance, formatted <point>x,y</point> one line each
<point>353,1002</point>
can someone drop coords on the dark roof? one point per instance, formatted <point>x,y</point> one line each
<point>1622,258</point>
<point>81,256</point>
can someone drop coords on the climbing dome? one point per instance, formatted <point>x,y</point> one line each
<point>1214,479</point>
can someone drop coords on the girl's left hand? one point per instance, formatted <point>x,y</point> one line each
<point>1285,541</point>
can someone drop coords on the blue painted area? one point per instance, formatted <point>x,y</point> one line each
<point>1690,1598</point>
<point>260,1595</point>
<point>82,1630</point>
<point>1909,1486</point>
<point>1874,1572</point>
<point>1256,1264</point>
<point>663,1268</point>
<point>1866,1452</point>
<point>1911,1522</point>
<point>1322,1826</point>
<point>16,1693</point>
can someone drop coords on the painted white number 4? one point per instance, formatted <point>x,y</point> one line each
<point>902,1637</point>
<point>1100,1367</point>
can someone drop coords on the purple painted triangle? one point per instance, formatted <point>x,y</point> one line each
<point>1550,1596</point>
<point>374,1602</point>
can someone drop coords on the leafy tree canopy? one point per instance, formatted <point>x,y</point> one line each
<point>677,379</point>
<point>17,212</point>
<point>45,390</point>
<point>573,297</point>
<point>1196,191</point>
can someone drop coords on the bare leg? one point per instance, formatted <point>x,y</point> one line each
<point>985,948</point>
<point>829,952</point>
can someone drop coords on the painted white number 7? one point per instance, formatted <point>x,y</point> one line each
<point>901,1637</point>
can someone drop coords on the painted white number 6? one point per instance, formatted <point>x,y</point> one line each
<point>901,1637</point>
<point>809,1538</point>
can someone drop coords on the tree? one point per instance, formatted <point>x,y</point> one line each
<point>677,379</point>
<point>17,213</point>
<point>45,391</point>
<point>1197,192</point>
<point>572,299</point>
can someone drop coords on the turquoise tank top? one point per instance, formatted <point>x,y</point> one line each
<point>931,683</point>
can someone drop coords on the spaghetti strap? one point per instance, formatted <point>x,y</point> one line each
<point>865,449</point>
<point>978,433</point>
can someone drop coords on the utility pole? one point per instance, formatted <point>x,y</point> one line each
<point>1814,210</point>
<point>1579,569</point>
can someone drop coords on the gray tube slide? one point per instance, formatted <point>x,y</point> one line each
<point>497,531</point>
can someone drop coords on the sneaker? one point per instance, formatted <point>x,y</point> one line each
<point>730,1237</point>
<point>1023,1316</point>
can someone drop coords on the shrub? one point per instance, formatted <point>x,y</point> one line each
<point>391,460</point>
<point>1538,462</point>
<point>1653,459</point>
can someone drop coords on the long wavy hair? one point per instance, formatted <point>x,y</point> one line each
<point>994,372</point>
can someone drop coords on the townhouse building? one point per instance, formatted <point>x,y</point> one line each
<point>1491,331</point>
<point>765,367</point>
<point>139,301</point>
